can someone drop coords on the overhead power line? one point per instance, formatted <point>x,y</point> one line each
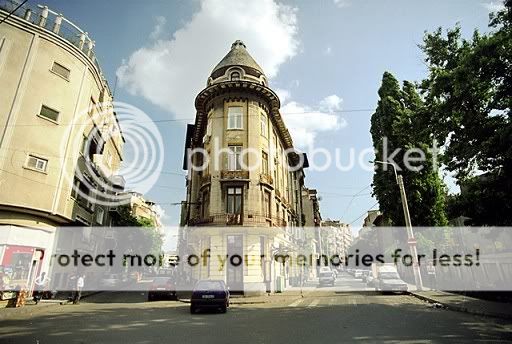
<point>363,214</point>
<point>175,120</point>
<point>14,10</point>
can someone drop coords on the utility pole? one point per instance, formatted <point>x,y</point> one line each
<point>410,234</point>
<point>408,225</point>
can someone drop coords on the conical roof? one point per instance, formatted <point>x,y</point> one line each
<point>237,56</point>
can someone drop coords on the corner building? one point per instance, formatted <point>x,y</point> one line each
<point>247,199</point>
<point>56,120</point>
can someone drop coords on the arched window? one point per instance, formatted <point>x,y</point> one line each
<point>235,76</point>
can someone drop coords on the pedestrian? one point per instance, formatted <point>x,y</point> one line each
<point>40,286</point>
<point>78,289</point>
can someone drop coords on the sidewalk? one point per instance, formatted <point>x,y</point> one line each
<point>30,308</point>
<point>462,303</point>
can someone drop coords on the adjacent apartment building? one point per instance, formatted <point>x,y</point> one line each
<point>231,207</point>
<point>60,141</point>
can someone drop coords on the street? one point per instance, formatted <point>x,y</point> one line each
<point>321,315</point>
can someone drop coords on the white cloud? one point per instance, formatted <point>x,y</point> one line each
<point>305,123</point>
<point>283,94</point>
<point>171,72</point>
<point>159,27</point>
<point>341,3</point>
<point>160,212</point>
<point>494,6</point>
<point>331,103</point>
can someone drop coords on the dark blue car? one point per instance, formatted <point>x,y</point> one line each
<point>209,294</point>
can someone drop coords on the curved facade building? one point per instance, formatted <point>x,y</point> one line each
<point>56,118</point>
<point>247,198</point>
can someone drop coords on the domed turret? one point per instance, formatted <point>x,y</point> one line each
<point>238,64</point>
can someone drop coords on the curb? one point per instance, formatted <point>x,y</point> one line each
<point>463,309</point>
<point>231,302</point>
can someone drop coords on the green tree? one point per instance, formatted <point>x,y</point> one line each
<point>141,233</point>
<point>468,97</point>
<point>398,124</point>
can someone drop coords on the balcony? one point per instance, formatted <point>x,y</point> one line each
<point>266,179</point>
<point>226,175</point>
<point>54,22</point>
<point>238,220</point>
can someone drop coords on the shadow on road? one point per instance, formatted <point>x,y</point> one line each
<point>169,321</point>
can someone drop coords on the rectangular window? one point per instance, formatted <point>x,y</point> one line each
<point>49,113</point>
<point>76,187</point>
<point>36,163</point>
<point>59,69</point>
<point>264,163</point>
<point>235,158</point>
<point>208,133</point>
<point>263,125</point>
<point>205,204</point>
<point>235,117</point>
<point>234,200</point>
<point>266,205</point>
<point>100,214</point>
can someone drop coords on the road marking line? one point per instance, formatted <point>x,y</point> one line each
<point>295,303</point>
<point>314,303</point>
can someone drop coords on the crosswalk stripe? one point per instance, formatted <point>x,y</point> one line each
<point>295,303</point>
<point>314,303</point>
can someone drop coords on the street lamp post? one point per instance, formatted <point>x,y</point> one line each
<point>408,225</point>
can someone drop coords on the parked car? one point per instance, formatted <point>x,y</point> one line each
<point>162,287</point>
<point>390,281</point>
<point>326,277</point>
<point>212,294</point>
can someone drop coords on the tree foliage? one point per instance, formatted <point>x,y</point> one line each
<point>141,234</point>
<point>398,124</point>
<point>468,96</point>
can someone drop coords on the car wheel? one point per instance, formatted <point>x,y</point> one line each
<point>192,309</point>
<point>223,309</point>
<point>150,297</point>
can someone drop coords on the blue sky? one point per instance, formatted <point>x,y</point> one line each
<point>323,57</point>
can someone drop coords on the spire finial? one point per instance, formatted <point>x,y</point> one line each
<point>238,43</point>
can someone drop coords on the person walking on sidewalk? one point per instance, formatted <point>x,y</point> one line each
<point>78,291</point>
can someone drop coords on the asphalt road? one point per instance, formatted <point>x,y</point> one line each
<point>322,316</point>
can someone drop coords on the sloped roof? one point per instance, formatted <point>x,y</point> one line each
<point>238,56</point>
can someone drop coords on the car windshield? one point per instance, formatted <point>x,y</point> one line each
<point>389,275</point>
<point>326,274</point>
<point>209,285</point>
<point>162,280</point>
